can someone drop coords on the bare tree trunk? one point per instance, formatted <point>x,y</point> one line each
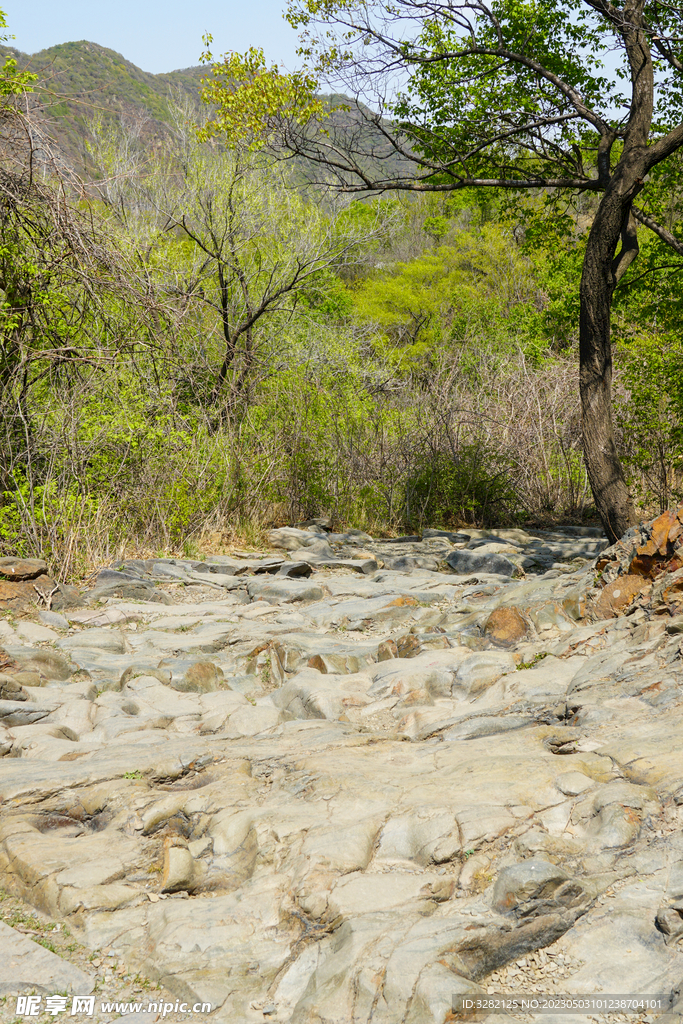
<point>601,271</point>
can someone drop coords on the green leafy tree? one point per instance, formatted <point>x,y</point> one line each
<point>432,309</point>
<point>226,235</point>
<point>260,245</point>
<point>553,97</point>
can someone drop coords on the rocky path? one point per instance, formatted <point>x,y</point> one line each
<point>347,780</point>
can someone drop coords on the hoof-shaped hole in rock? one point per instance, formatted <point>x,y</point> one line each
<point>77,819</point>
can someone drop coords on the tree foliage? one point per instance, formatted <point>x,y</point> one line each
<point>195,344</point>
<point>248,95</point>
<point>229,240</point>
<point>516,95</point>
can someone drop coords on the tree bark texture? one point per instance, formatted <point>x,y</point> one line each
<point>601,271</point>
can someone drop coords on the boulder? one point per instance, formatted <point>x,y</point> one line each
<point>466,562</point>
<point>10,689</point>
<point>506,625</point>
<point>618,595</point>
<point>22,568</point>
<point>200,677</point>
<point>111,583</point>
<point>530,880</point>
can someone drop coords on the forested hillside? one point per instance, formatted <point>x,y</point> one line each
<point>195,345</point>
<point>81,82</point>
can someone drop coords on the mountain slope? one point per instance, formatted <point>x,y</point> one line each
<point>80,82</point>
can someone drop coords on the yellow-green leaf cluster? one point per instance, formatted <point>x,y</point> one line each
<point>250,98</point>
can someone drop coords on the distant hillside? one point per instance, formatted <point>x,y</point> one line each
<point>80,81</point>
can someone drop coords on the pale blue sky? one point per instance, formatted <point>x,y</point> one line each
<point>157,35</point>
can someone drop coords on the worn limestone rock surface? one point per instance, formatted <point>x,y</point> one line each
<point>29,966</point>
<point>307,793</point>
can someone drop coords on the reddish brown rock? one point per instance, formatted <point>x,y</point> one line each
<point>619,594</point>
<point>408,646</point>
<point>651,556</point>
<point>19,596</point>
<point>22,568</point>
<point>654,556</point>
<point>16,597</point>
<point>506,625</point>
<point>672,592</point>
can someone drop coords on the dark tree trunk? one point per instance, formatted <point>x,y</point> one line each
<point>603,267</point>
<point>601,271</point>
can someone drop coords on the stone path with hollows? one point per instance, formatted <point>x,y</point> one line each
<point>347,779</point>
